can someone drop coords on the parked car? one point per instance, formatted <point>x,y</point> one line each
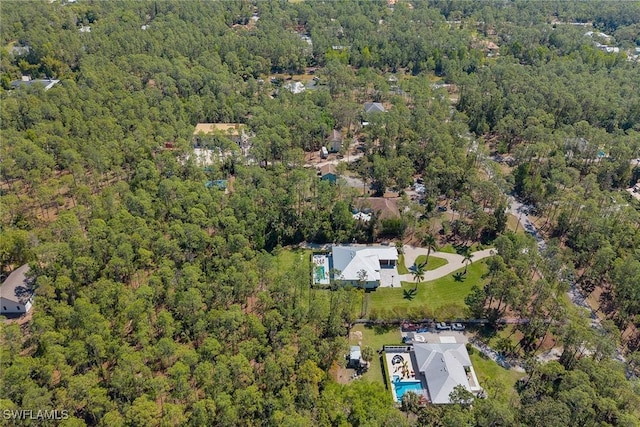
<point>457,327</point>
<point>443,326</point>
<point>442,208</point>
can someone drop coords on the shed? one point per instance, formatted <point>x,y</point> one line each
<point>355,356</point>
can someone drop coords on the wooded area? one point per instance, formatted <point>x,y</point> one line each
<point>163,301</point>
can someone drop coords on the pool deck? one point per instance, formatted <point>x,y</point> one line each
<point>404,370</point>
<point>321,261</point>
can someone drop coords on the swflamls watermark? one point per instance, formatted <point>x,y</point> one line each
<point>31,414</point>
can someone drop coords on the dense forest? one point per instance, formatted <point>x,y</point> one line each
<point>163,301</point>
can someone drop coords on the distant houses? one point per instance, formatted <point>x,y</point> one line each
<point>16,292</point>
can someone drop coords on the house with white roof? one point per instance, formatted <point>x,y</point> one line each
<point>361,265</point>
<point>16,292</point>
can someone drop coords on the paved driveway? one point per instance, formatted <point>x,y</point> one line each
<point>455,262</point>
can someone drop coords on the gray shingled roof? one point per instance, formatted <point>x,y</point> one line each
<point>17,287</point>
<point>443,367</point>
<point>374,107</point>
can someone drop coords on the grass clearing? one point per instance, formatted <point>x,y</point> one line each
<point>512,224</point>
<point>286,259</point>
<point>448,248</point>
<point>374,337</point>
<point>434,262</point>
<point>440,299</point>
<point>497,381</point>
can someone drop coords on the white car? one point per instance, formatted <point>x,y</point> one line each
<point>458,327</point>
<point>419,338</point>
<point>443,326</point>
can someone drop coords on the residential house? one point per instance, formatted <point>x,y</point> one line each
<point>445,366</point>
<point>431,370</point>
<point>16,292</point>
<point>335,141</point>
<point>382,207</point>
<point>361,265</point>
<point>328,173</point>
<point>374,107</point>
<point>236,132</point>
<point>26,82</point>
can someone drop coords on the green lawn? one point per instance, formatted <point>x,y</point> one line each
<point>402,268</point>
<point>434,262</point>
<point>497,381</point>
<point>441,299</point>
<point>285,259</point>
<point>448,248</point>
<point>375,337</point>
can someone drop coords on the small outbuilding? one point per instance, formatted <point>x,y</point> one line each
<point>355,357</point>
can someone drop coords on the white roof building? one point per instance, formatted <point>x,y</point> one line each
<point>445,366</point>
<point>352,260</point>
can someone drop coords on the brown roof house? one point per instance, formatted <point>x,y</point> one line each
<point>382,207</point>
<point>16,292</point>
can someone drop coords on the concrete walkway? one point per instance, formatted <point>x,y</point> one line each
<point>455,262</point>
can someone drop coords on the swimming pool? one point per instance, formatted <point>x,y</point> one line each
<point>320,275</point>
<point>403,387</point>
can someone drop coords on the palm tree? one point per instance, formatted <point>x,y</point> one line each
<point>418,273</point>
<point>430,243</point>
<point>467,260</point>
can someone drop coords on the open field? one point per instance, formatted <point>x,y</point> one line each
<point>441,299</point>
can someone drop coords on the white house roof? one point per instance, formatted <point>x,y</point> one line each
<point>17,287</point>
<point>350,260</point>
<point>443,367</point>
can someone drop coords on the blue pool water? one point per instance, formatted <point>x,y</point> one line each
<point>319,274</point>
<point>404,386</point>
